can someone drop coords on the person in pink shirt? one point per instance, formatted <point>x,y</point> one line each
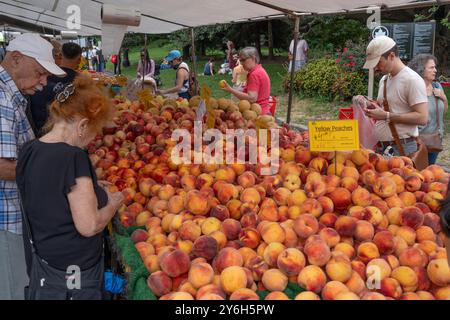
<point>257,89</point>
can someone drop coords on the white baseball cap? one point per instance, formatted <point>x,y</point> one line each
<point>376,48</point>
<point>34,46</point>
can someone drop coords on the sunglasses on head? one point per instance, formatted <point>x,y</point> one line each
<point>65,93</point>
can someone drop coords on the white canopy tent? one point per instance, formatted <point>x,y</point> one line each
<point>166,16</point>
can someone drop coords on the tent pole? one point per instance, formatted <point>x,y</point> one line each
<point>145,60</point>
<point>194,59</point>
<point>294,54</point>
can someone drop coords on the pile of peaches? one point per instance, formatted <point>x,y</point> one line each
<point>343,226</point>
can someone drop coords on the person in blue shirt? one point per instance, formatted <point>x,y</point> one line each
<point>209,68</point>
<point>175,60</point>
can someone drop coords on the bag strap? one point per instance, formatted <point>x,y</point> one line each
<point>437,114</point>
<point>391,124</point>
<point>26,221</point>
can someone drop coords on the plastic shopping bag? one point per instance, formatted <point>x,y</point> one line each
<point>366,125</point>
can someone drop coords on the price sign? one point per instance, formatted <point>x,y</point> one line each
<point>339,135</point>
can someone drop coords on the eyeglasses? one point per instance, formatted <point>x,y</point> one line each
<point>65,93</point>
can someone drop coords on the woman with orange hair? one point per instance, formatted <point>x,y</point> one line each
<point>65,207</point>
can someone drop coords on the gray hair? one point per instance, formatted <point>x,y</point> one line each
<point>250,52</point>
<point>418,62</point>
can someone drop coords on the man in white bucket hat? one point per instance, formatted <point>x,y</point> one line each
<point>405,93</point>
<point>28,62</point>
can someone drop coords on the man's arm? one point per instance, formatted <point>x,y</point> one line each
<point>7,169</point>
<point>179,84</point>
<point>419,115</point>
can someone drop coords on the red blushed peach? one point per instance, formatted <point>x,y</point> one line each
<point>350,172</point>
<point>385,187</point>
<point>288,168</point>
<point>381,165</point>
<point>196,203</point>
<point>346,249</point>
<point>292,182</point>
<point>244,294</point>
<point>220,237</point>
<point>364,231</point>
<point>306,225</point>
<point>328,219</point>
<point>406,277</point>
<point>257,266</point>
<point>394,201</point>
<point>271,253</point>
<point>276,295</point>
<point>413,183</point>
<point>201,274</point>
<point>359,267</point>
<point>144,249</point>
<point>439,272</point>
<point>307,295</point>
<point>393,216</point>
<point>302,155</point>
<point>332,289</point>
<point>380,204</point>
<point>390,287</point>
<point>400,245</point>
<point>347,296</point>
<point>249,220</point>
<point>318,252</point>
<point>291,239</point>
<point>273,232</point>
<point>232,279</point>
<point>315,188</point>
<point>175,263</point>
<point>312,278</point>
<point>268,210</point>
<point>139,235</point>
<point>356,283</point>
<point>432,200</point>
<point>369,177</point>
<point>341,197</point>
<point>339,268</point>
<point>408,234</point>
<point>231,228</point>
<point>367,251</point>
<point>274,280</point>
<point>160,283</point>
<point>372,296</point>
<point>384,240</point>
<point>423,283</point>
<point>400,182</point>
<point>296,198</point>
<point>432,220</point>
<point>331,236</point>
<point>428,176</point>
<point>428,246</point>
<point>437,172</point>
<point>345,226</point>
<point>359,157</point>
<point>438,187</point>
<point>313,207</point>
<point>443,293</point>
<point>408,198</point>
<point>378,268</point>
<point>424,233</point>
<point>291,261</point>
<point>361,197</point>
<point>327,204</point>
<point>227,192</point>
<point>250,195</point>
<point>225,173</point>
<point>357,212</point>
<point>281,196</point>
<point>349,183</point>
<point>189,230</point>
<point>411,217</point>
<point>210,289</point>
<point>247,179</point>
<point>227,257</point>
<point>331,182</point>
<point>210,225</point>
<point>396,162</point>
<point>205,247</point>
<point>319,165</point>
<point>373,215</point>
<point>249,237</point>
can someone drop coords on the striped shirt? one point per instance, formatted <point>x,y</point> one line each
<point>15,130</point>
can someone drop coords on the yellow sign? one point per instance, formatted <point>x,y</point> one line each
<point>339,135</point>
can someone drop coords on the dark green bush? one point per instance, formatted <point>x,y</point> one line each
<point>327,78</point>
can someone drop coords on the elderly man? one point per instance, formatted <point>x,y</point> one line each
<point>24,71</point>
<point>405,93</point>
